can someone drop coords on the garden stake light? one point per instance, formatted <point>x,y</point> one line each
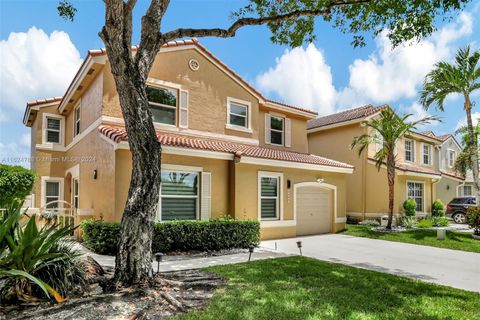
<point>250,251</point>
<point>299,245</point>
<point>158,257</point>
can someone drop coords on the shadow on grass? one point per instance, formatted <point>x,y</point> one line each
<point>304,288</point>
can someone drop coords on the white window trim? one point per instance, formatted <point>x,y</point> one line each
<point>44,129</point>
<point>159,125</point>
<point>75,120</point>
<point>448,157</point>
<point>412,150</point>
<point>180,168</point>
<point>249,115</point>
<point>43,188</point>
<point>73,192</point>
<point>463,190</point>
<point>267,174</point>
<point>430,157</point>
<point>276,130</point>
<point>423,194</point>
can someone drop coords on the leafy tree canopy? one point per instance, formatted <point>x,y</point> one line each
<point>16,183</point>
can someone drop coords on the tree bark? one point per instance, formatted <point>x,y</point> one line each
<point>473,148</point>
<point>391,186</point>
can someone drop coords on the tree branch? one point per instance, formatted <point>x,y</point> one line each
<point>230,32</point>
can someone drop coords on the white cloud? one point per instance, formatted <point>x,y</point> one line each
<point>25,140</point>
<point>390,73</point>
<point>34,65</point>
<point>463,122</point>
<point>13,154</point>
<point>301,77</point>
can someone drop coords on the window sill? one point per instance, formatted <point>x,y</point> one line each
<point>238,128</point>
<point>164,126</point>
<point>277,223</point>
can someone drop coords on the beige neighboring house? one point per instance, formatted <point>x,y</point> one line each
<point>227,150</point>
<point>452,183</point>
<point>417,173</point>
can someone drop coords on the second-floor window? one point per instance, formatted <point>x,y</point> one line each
<point>76,128</point>
<point>276,130</point>
<point>409,151</point>
<point>238,114</point>
<point>427,156</point>
<point>53,130</point>
<point>451,158</point>
<point>163,105</point>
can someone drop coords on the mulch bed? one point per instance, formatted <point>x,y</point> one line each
<point>172,293</point>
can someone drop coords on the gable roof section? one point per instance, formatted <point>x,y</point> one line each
<point>236,150</point>
<point>341,118</point>
<point>193,43</point>
<point>33,106</point>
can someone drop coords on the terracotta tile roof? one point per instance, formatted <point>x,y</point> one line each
<point>415,168</point>
<point>194,41</point>
<point>347,115</point>
<point>43,101</point>
<point>428,133</point>
<point>453,174</point>
<point>444,137</point>
<point>119,134</point>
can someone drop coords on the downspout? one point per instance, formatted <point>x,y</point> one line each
<point>434,182</point>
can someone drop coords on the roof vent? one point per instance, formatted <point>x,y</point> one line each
<point>90,71</point>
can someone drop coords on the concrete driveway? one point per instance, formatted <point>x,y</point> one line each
<point>441,266</point>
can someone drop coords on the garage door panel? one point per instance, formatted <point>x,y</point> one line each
<point>314,210</point>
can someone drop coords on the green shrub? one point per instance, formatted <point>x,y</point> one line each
<point>438,208</point>
<point>439,222</point>
<point>369,222</point>
<point>424,223</point>
<point>16,183</point>
<point>36,263</point>
<point>473,219</point>
<point>408,222</point>
<point>410,207</point>
<point>101,237</point>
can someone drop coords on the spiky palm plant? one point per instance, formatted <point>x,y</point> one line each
<point>460,77</point>
<point>385,131</point>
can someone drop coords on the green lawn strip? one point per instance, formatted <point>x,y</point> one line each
<point>426,237</point>
<point>304,288</point>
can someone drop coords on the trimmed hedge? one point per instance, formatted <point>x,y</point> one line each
<point>101,237</point>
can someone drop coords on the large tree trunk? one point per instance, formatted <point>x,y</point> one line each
<point>473,147</point>
<point>391,186</point>
<point>133,263</point>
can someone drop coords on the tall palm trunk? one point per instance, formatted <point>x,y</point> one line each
<point>391,186</point>
<point>473,146</point>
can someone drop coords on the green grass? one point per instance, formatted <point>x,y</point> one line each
<point>426,237</point>
<point>304,288</point>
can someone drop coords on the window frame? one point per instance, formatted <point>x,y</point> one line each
<point>412,150</point>
<point>463,191</point>
<point>430,154</point>
<point>76,121</point>
<point>182,169</point>
<point>248,118</point>
<point>276,130</point>
<point>279,202</point>
<point>43,189</point>
<point>76,192</point>
<point>451,151</point>
<point>45,129</point>
<point>423,193</point>
<point>176,108</point>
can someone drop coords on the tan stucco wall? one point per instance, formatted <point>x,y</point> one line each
<point>219,186</point>
<point>335,144</point>
<point>446,189</point>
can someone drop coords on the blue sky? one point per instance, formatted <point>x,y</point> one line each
<point>40,52</point>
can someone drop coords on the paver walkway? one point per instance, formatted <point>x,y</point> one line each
<point>452,268</point>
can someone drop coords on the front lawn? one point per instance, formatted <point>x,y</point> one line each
<point>426,237</point>
<point>304,288</point>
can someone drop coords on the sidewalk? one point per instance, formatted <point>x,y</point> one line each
<point>176,263</point>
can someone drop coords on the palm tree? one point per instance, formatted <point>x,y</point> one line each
<point>462,163</point>
<point>461,77</point>
<point>384,132</point>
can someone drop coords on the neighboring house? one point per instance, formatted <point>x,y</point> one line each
<point>227,150</point>
<point>467,189</point>
<point>417,169</point>
<point>452,183</point>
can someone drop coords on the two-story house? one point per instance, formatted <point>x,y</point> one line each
<point>452,183</point>
<point>227,150</point>
<point>417,170</point>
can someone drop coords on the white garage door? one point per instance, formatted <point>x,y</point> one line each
<point>314,210</point>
